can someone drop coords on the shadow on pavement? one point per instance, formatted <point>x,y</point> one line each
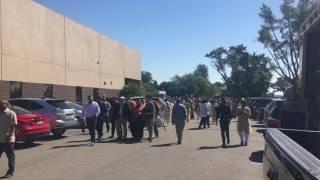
<point>209,147</point>
<point>192,129</point>
<point>261,131</point>
<point>258,126</point>
<point>163,145</point>
<point>125,141</point>
<point>79,141</point>
<point>51,138</point>
<point>70,146</point>
<point>21,146</point>
<point>256,157</point>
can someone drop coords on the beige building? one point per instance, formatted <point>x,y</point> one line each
<point>47,54</point>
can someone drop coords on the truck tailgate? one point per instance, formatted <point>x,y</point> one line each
<point>298,161</point>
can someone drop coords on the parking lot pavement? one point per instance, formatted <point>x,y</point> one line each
<point>199,157</point>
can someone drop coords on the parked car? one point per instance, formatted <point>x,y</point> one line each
<point>270,106</point>
<point>78,111</point>
<point>59,114</point>
<point>257,105</point>
<point>30,126</point>
<point>273,121</point>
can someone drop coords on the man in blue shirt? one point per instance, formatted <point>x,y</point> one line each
<point>90,113</point>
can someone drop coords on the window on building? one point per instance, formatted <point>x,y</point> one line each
<point>79,94</point>
<point>95,93</point>
<point>48,90</point>
<point>15,89</point>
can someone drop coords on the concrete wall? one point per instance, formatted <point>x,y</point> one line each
<point>4,90</point>
<point>41,46</point>
<point>64,92</point>
<point>33,45</point>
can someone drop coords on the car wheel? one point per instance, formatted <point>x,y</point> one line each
<point>58,132</point>
<point>29,142</point>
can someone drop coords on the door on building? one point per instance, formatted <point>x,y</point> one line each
<point>95,93</point>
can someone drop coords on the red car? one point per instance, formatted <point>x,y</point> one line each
<point>30,126</point>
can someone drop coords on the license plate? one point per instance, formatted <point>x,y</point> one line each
<point>39,122</point>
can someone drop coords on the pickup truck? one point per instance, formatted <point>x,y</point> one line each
<point>291,155</point>
<point>293,152</point>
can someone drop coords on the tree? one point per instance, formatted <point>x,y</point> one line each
<point>281,38</point>
<point>243,73</point>
<point>132,89</point>
<point>202,70</point>
<point>281,85</point>
<point>192,84</point>
<point>150,85</point>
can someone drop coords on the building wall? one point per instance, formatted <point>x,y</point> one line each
<point>85,93</point>
<point>4,90</point>
<point>41,46</point>
<point>32,90</point>
<point>33,45</point>
<point>64,92</point>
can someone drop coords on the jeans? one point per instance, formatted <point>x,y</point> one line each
<point>204,121</point>
<point>244,137</point>
<point>150,126</point>
<point>122,127</point>
<point>8,149</point>
<point>91,124</point>
<point>99,126</point>
<point>224,126</point>
<point>179,130</point>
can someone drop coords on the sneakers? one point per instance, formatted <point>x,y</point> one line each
<point>8,175</point>
<point>91,143</point>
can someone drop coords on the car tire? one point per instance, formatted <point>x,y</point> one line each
<point>58,132</point>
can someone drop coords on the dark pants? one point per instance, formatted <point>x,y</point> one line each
<point>179,130</point>
<point>113,127</point>
<point>224,126</point>
<point>91,124</point>
<point>99,126</point>
<point>107,123</point>
<point>8,149</point>
<point>156,131</point>
<point>204,121</point>
<point>138,128</point>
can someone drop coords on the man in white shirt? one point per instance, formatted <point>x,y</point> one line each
<point>204,114</point>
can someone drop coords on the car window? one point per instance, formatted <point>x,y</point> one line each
<point>19,110</point>
<point>27,104</point>
<point>75,106</point>
<point>59,104</point>
<point>276,112</point>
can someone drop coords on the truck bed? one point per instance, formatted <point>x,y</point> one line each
<point>292,154</point>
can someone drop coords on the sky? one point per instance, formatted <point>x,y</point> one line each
<point>172,35</point>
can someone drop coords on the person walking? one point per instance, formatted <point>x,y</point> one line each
<point>179,117</point>
<point>122,121</point>
<point>243,112</point>
<point>167,113</point>
<point>138,122</point>
<point>101,117</point>
<point>149,116</point>
<point>224,114</point>
<point>204,114</point>
<point>115,107</point>
<point>108,114</point>
<point>90,113</point>
<point>213,109</point>
<point>8,123</point>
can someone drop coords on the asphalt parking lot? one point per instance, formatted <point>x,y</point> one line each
<point>199,157</point>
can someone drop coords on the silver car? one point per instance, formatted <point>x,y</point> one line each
<point>60,115</point>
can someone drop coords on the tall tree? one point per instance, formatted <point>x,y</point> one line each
<point>243,73</point>
<point>280,36</point>
<point>202,70</point>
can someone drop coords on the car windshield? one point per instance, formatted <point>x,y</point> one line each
<point>59,104</point>
<point>19,110</point>
<point>75,106</point>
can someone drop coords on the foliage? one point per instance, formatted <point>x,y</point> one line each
<point>281,85</point>
<point>243,73</point>
<point>131,90</point>
<point>280,37</point>
<point>192,84</point>
<point>149,84</point>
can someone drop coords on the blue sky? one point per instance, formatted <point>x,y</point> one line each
<point>172,35</point>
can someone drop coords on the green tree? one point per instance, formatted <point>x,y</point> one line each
<point>281,85</point>
<point>149,84</point>
<point>132,89</point>
<point>202,70</point>
<point>280,36</point>
<point>243,73</point>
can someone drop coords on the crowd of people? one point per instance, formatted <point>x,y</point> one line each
<point>136,114</point>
